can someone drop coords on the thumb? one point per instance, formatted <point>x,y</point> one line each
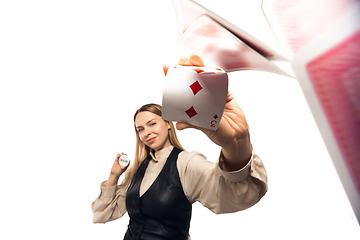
<point>182,126</point>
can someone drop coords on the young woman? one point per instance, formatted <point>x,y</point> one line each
<point>164,180</point>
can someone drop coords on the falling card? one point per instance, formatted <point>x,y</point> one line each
<point>296,23</point>
<point>222,43</point>
<point>188,11</point>
<point>195,95</point>
<point>328,70</point>
<point>212,41</point>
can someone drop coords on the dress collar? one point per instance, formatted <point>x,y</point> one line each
<point>161,154</point>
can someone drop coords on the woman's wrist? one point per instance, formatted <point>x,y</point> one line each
<point>237,154</point>
<point>112,181</point>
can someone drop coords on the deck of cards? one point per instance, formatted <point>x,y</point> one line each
<point>195,95</point>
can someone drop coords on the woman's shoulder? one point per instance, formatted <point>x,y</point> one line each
<point>190,153</point>
<point>187,156</point>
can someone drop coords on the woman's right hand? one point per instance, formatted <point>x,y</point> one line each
<point>116,171</point>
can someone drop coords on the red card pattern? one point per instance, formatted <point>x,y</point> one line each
<point>196,87</point>
<point>191,112</point>
<point>303,20</point>
<point>335,76</point>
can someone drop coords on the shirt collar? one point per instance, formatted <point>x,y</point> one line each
<point>163,153</point>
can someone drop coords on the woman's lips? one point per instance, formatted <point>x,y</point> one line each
<point>151,140</point>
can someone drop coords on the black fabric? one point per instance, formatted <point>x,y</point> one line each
<point>163,212</point>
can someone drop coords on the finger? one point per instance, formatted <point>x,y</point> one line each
<point>116,161</point>
<point>166,68</point>
<point>182,126</point>
<point>185,61</point>
<point>229,97</point>
<point>195,60</point>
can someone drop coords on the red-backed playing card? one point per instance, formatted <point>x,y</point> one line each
<point>328,70</point>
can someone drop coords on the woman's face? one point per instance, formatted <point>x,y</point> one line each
<point>153,130</point>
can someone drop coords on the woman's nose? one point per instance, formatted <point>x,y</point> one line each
<point>146,132</point>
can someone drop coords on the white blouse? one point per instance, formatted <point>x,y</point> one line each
<point>202,180</point>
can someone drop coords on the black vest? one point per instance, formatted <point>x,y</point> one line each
<point>163,212</point>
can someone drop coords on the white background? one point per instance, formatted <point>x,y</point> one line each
<point>72,75</point>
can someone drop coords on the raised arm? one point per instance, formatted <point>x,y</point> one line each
<point>233,131</point>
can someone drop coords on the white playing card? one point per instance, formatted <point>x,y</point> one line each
<point>195,95</point>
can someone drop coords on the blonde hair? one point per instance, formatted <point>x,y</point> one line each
<point>141,150</point>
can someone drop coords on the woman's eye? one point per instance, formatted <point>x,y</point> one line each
<point>140,129</point>
<point>152,124</point>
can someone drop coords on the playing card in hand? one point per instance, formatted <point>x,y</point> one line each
<point>195,95</point>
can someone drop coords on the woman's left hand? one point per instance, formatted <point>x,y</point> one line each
<point>233,131</point>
